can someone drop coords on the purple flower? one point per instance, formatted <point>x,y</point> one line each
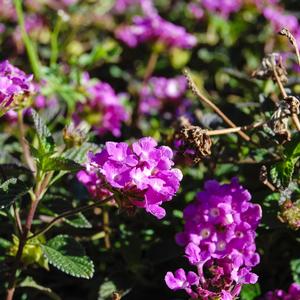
<point>196,10</point>
<point>102,109</point>
<point>222,7</point>
<point>161,92</point>
<point>122,6</point>
<point>13,83</point>
<point>155,28</point>
<point>219,236</point>
<point>140,175</point>
<point>181,280</point>
<point>2,28</point>
<point>292,294</point>
<point>280,19</point>
<point>7,10</point>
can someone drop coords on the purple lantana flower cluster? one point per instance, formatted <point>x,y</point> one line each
<point>292,294</point>
<point>140,175</point>
<point>103,108</point>
<point>161,91</point>
<point>13,83</point>
<point>219,238</point>
<point>122,6</point>
<point>155,28</point>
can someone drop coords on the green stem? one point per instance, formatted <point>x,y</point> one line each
<point>54,42</point>
<point>26,151</point>
<point>31,50</point>
<point>22,242</point>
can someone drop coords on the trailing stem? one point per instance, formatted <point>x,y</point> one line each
<point>196,91</point>
<point>36,196</point>
<point>294,116</point>
<point>69,213</point>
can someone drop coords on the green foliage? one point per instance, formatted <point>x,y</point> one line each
<point>15,182</point>
<point>67,255</point>
<point>60,164</point>
<point>295,267</point>
<point>29,282</point>
<point>78,154</point>
<point>32,252</point>
<point>46,141</point>
<point>250,291</point>
<point>108,51</point>
<point>282,172</point>
<point>78,221</point>
<point>106,290</point>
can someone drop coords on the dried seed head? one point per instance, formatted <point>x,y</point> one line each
<point>270,63</point>
<point>75,135</point>
<point>293,103</point>
<point>279,122</point>
<point>194,141</point>
<point>288,34</point>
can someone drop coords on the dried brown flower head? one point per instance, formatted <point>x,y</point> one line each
<point>279,122</point>
<point>271,62</point>
<point>194,140</point>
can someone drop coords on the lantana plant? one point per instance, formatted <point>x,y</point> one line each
<point>149,149</point>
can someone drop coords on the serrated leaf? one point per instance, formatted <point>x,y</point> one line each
<point>15,181</point>
<point>282,172</point>
<point>29,282</point>
<point>67,255</point>
<point>292,149</point>
<point>46,141</point>
<point>60,164</point>
<point>250,291</point>
<point>11,190</point>
<point>79,154</point>
<point>13,170</point>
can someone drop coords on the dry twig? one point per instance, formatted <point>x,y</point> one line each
<point>196,91</point>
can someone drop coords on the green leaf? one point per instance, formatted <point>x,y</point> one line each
<point>67,255</point>
<point>46,141</point>
<point>282,172</point>
<point>292,149</point>
<point>15,181</point>
<point>295,267</point>
<point>79,154</point>
<point>29,282</point>
<point>250,291</point>
<point>106,290</point>
<point>13,170</point>
<point>11,190</point>
<point>78,221</point>
<point>60,164</point>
